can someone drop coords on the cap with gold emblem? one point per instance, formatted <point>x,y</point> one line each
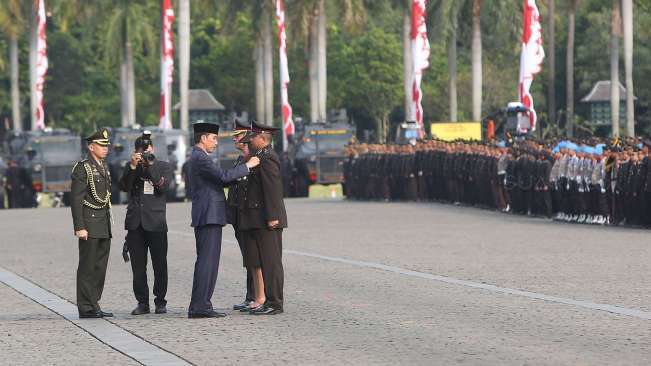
<point>240,128</point>
<point>100,137</point>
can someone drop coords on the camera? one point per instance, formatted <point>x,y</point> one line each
<point>148,157</point>
<point>142,144</point>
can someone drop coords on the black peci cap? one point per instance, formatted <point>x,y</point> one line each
<point>204,127</point>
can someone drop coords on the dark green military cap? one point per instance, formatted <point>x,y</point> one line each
<point>100,137</point>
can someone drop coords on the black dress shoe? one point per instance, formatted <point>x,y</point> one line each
<point>106,314</point>
<point>160,309</point>
<point>242,306</point>
<point>140,310</point>
<point>90,314</point>
<point>206,314</point>
<point>250,307</point>
<point>265,310</point>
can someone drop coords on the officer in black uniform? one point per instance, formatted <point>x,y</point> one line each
<point>236,190</point>
<point>146,180</point>
<point>261,220</point>
<point>91,215</point>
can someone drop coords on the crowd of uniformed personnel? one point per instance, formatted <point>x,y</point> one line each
<point>576,182</point>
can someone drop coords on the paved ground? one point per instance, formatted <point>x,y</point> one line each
<point>358,312</point>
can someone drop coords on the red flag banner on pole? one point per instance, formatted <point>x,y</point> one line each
<point>288,123</point>
<point>420,53</point>
<point>166,65</point>
<point>41,67</point>
<point>531,57</point>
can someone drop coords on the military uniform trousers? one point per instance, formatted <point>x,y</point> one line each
<point>139,242</point>
<point>264,249</point>
<point>91,272</point>
<point>209,246</point>
<point>250,292</point>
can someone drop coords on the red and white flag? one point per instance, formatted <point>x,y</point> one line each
<point>288,123</point>
<point>166,65</point>
<point>41,67</point>
<point>420,54</point>
<point>532,55</point>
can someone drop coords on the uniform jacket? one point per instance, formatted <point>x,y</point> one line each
<point>207,182</point>
<point>88,212</point>
<point>263,199</point>
<point>143,209</point>
<point>234,191</point>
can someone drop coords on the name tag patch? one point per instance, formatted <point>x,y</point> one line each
<point>147,187</point>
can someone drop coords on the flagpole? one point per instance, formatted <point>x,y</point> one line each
<point>167,64</point>
<point>286,108</point>
<point>420,49</point>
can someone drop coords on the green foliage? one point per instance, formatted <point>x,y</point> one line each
<point>364,51</point>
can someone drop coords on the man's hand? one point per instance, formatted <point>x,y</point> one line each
<point>136,157</point>
<point>82,234</point>
<point>253,162</point>
<point>272,224</point>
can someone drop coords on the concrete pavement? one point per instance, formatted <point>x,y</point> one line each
<point>339,310</point>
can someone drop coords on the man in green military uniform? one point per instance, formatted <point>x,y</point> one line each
<point>91,217</point>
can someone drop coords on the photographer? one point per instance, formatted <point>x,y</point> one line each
<point>146,180</point>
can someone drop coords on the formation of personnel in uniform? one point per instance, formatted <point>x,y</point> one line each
<point>255,208</point>
<point>600,184</point>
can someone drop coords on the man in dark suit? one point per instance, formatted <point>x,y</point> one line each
<point>146,180</point>
<point>90,204</point>
<point>207,182</point>
<point>261,219</point>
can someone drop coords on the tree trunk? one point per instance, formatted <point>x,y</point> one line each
<point>259,79</point>
<point>33,40</point>
<point>408,67</point>
<point>124,91</point>
<point>452,70</point>
<point>616,32</point>
<point>551,62</point>
<point>15,87</point>
<point>569,125</point>
<point>131,85</point>
<point>322,73</point>
<point>268,72</point>
<point>627,12</point>
<point>313,70</point>
<point>184,61</point>
<point>476,61</point>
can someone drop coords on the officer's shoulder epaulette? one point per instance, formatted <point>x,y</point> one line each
<point>84,161</point>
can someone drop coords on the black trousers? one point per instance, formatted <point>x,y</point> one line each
<point>250,291</point>
<point>139,242</point>
<point>91,272</point>
<point>270,247</point>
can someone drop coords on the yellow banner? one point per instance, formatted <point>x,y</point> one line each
<point>328,132</point>
<point>456,130</point>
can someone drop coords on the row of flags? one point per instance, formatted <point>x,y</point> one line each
<point>531,60</point>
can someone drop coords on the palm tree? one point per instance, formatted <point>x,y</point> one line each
<point>615,34</point>
<point>309,20</point>
<point>12,24</point>
<point>128,29</point>
<point>572,6</point>
<point>452,59</point>
<point>627,14</point>
<point>476,60</point>
<point>184,60</point>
